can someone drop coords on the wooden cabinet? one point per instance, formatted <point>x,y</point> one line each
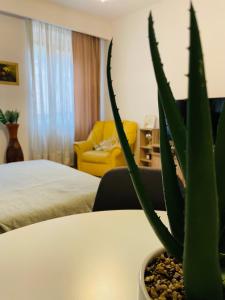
<point>149,148</point>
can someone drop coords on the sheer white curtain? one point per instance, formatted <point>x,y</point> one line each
<point>51,92</point>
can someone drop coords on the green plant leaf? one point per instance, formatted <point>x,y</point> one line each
<point>8,116</point>
<point>220,170</point>
<point>173,196</point>
<point>174,119</point>
<point>160,229</point>
<point>11,116</point>
<point>223,276</point>
<point>16,116</point>
<point>202,276</point>
<point>222,240</point>
<point>2,117</point>
<point>222,266</point>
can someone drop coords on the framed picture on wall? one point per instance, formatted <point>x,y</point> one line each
<point>9,73</point>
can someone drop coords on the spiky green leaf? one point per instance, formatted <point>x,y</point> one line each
<point>11,116</point>
<point>160,229</point>
<point>173,196</point>
<point>220,169</point>
<point>16,116</point>
<point>201,259</point>
<point>176,124</point>
<point>2,117</point>
<point>222,266</point>
<point>222,240</point>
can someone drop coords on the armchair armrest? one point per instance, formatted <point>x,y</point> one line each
<point>82,146</point>
<point>116,151</point>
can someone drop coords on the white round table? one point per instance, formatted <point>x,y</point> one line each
<point>94,256</point>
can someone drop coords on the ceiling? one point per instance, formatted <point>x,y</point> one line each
<point>110,9</point>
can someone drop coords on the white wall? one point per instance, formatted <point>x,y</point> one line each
<point>58,15</point>
<point>12,48</point>
<point>132,70</point>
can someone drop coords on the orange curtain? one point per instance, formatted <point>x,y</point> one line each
<point>86,52</point>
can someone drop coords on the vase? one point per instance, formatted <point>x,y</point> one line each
<point>14,152</point>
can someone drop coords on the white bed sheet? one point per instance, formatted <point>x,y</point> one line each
<point>34,191</point>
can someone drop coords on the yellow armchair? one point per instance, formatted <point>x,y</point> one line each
<point>101,151</point>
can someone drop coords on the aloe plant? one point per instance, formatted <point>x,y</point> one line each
<point>10,116</point>
<point>197,219</point>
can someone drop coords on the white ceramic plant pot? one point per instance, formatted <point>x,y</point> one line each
<point>143,294</point>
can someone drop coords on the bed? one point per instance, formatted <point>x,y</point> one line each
<point>34,191</point>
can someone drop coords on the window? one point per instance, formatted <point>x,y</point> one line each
<point>51,92</point>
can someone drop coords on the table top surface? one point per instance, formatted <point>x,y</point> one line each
<point>93,256</point>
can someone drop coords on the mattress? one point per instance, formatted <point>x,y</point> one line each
<point>38,190</point>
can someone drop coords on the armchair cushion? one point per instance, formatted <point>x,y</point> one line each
<point>100,157</point>
<point>107,145</point>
